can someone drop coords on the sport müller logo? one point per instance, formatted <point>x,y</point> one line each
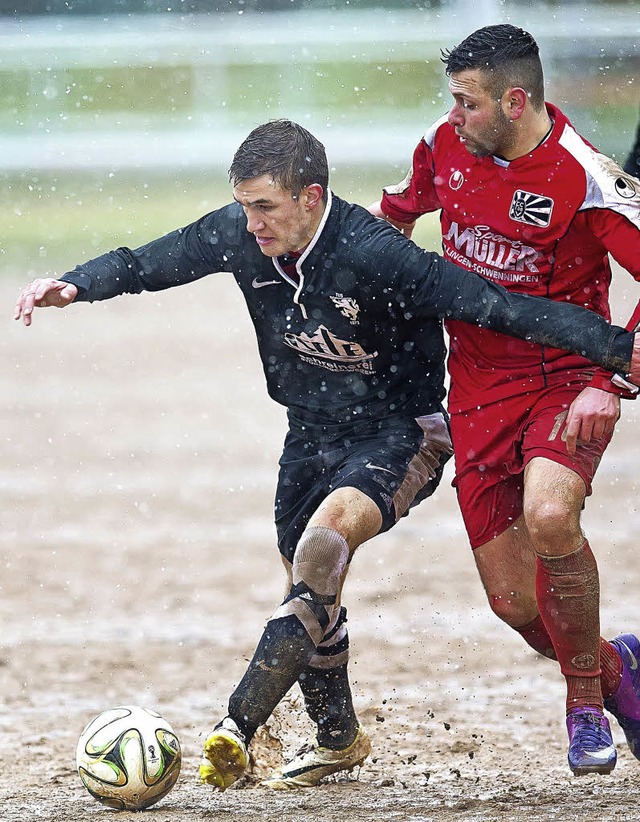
<point>532,209</point>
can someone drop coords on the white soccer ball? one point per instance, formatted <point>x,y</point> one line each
<point>128,758</point>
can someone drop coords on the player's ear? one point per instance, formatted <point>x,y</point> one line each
<point>514,102</point>
<point>311,195</point>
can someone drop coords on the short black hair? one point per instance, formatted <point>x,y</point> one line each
<point>288,152</point>
<point>507,55</point>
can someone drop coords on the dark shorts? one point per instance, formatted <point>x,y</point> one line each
<point>397,463</point>
<point>493,445</point>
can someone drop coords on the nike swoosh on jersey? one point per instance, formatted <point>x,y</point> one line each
<point>256,283</point>
<point>634,662</point>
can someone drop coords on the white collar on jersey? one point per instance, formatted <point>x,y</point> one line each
<point>304,255</point>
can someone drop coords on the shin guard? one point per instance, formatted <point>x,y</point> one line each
<point>568,593</point>
<point>295,630</point>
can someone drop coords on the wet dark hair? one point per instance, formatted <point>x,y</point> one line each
<point>506,55</point>
<point>285,150</point>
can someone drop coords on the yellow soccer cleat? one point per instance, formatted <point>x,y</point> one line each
<point>225,755</point>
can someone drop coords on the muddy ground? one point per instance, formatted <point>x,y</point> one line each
<point>138,458</point>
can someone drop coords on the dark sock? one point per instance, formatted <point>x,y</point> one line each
<point>284,650</point>
<point>327,695</point>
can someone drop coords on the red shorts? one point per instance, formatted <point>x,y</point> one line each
<point>493,444</point>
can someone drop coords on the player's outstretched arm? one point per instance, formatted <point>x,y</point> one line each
<point>43,293</point>
<point>633,374</point>
<point>405,228</point>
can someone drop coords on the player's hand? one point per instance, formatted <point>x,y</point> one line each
<point>592,415</point>
<point>634,371</point>
<point>404,228</point>
<point>43,293</point>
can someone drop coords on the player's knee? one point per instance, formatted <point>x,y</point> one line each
<point>553,527</point>
<point>321,560</point>
<point>319,568</point>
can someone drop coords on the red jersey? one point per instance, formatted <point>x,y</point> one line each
<point>542,224</point>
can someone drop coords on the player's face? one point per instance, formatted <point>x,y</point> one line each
<point>478,118</point>
<point>279,221</point>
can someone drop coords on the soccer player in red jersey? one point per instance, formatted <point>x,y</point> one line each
<point>526,202</point>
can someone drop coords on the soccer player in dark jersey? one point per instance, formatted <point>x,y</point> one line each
<point>526,202</point>
<point>632,163</point>
<point>347,318</point>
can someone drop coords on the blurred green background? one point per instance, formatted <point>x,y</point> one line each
<point>119,119</point>
<point>51,221</point>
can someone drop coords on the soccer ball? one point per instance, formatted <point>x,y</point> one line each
<point>128,758</point>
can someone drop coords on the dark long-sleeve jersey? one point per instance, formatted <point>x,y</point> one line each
<point>360,336</point>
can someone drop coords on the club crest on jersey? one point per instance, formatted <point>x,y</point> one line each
<point>532,209</point>
<point>347,306</point>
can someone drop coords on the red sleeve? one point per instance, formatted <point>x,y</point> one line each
<point>602,380</point>
<point>619,235</point>
<point>416,194</point>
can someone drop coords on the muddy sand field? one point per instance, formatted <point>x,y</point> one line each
<point>138,458</point>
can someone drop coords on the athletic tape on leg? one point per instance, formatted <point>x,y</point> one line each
<point>333,651</point>
<point>319,569</point>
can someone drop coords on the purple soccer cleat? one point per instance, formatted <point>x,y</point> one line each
<point>591,748</point>
<point>625,703</point>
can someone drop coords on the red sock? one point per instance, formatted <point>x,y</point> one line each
<point>568,593</point>
<point>611,665</point>
<point>536,635</point>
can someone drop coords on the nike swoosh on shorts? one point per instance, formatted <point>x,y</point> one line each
<point>378,468</point>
